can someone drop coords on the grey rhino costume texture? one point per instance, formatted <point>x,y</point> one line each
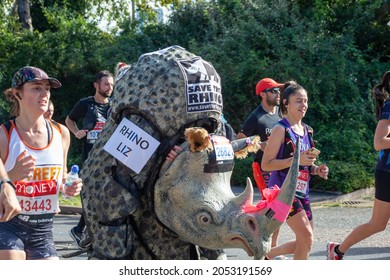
<point>168,209</point>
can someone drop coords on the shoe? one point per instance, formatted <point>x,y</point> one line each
<point>330,253</point>
<point>78,239</point>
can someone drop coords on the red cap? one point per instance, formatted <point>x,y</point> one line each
<point>266,83</point>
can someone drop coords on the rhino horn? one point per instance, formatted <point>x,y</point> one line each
<point>287,192</point>
<point>246,197</point>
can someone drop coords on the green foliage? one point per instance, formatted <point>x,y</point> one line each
<point>242,170</point>
<point>366,20</point>
<point>345,177</point>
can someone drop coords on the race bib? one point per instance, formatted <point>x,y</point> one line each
<point>223,148</point>
<point>302,184</point>
<point>37,197</point>
<point>94,133</point>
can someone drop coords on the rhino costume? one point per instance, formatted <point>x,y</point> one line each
<point>155,209</point>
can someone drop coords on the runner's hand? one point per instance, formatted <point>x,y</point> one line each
<point>24,167</point>
<point>9,205</point>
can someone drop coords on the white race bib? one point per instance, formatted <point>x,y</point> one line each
<point>302,183</point>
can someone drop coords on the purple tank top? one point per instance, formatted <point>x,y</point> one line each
<point>278,177</point>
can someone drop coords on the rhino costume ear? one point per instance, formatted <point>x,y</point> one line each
<point>198,138</point>
<point>242,147</point>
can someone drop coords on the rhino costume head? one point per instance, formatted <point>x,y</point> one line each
<point>165,209</point>
<point>200,207</point>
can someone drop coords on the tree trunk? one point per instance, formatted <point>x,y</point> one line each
<point>24,14</point>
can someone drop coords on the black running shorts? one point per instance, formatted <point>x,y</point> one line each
<point>382,185</point>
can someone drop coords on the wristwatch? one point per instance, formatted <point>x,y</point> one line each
<point>7,181</point>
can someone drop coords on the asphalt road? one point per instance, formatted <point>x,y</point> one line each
<point>333,221</point>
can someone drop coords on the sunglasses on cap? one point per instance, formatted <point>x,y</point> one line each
<point>274,90</point>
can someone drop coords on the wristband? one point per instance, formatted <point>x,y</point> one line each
<point>7,181</point>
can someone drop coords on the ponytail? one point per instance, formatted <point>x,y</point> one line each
<point>11,97</point>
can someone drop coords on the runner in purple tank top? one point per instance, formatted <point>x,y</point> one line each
<point>277,159</point>
<point>279,175</point>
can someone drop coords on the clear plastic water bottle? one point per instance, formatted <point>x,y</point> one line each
<point>73,175</point>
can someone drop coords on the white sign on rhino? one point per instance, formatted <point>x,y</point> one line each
<point>131,145</point>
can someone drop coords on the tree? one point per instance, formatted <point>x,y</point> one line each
<point>23,7</point>
<point>120,12</point>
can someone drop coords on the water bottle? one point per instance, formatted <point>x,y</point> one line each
<point>73,175</point>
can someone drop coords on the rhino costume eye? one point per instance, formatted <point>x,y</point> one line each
<point>204,218</point>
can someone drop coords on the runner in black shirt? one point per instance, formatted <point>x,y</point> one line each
<point>260,122</point>
<point>93,111</point>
